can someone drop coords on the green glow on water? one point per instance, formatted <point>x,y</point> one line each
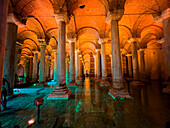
<point>78,106</point>
<point>34,84</point>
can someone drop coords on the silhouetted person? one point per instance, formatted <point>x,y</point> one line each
<point>3,98</point>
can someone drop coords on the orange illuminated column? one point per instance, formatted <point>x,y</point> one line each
<point>133,42</point>
<point>30,67</point>
<point>129,59</point>
<point>104,82</point>
<point>47,66</point>
<point>35,66</point>
<point>80,67</point>
<point>72,62</point>
<point>77,64</point>
<point>142,64</point>
<point>165,19</point>
<point>9,60</point>
<point>55,64</point>
<point>61,53</point>
<point>42,60</point>
<point>3,28</point>
<point>113,18</point>
<point>95,64</point>
<point>98,63</point>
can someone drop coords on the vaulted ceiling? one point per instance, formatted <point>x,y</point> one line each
<point>86,22</point>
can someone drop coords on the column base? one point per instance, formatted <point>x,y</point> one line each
<point>166,90</point>
<point>97,80</point>
<point>60,92</point>
<point>72,84</point>
<point>104,83</point>
<point>136,84</point>
<point>119,93</point>
<point>119,84</point>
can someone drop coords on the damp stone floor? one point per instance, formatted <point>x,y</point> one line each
<point>89,106</point>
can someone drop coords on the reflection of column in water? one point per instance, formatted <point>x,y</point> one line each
<point>92,92</point>
<point>144,95</point>
<point>137,93</point>
<point>96,95</point>
<point>87,98</point>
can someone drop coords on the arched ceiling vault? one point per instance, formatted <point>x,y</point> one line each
<point>87,22</point>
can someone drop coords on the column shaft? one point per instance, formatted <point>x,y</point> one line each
<point>61,52</point>
<point>77,64</point>
<point>95,65</point>
<point>129,58</point>
<point>55,66</point>
<point>135,61</point>
<point>42,62</point>
<point>116,60</point>
<point>9,61</point>
<point>103,55</point>
<point>98,64</point>
<point>30,67</point>
<point>142,65</point>
<point>166,26</point>
<point>72,62</point>
<point>80,67</point>
<point>35,67</point>
<point>47,67</point>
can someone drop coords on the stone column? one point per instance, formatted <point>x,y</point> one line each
<point>80,68</point>
<point>103,55</point>
<point>9,60</point>
<point>55,65</point>
<point>113,18</point>
<point>98,63</point>
<point>77,64</point>
<point>67,67</point>
<point>129,58</point>
<point>72,62</point>
<point>30,67</point>
<point>104,82</point>
<point>165,19</point>
<point>35,66</point>
<point>3,28</point>
<point>111,63</point>
<point>142,64</point>
<point>47,67</point>
<point>61,49</point>
<point>95,65</point>
<point>16,57</point>
<point>42,60</point>
<point>135,59</point>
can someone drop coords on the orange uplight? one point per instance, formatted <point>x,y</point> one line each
<point>30,122</point>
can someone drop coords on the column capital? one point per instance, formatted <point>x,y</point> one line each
<point>128,55</point>
<point>42,42</point>
<point>77,50</point>
<point>30,57</point>
<point>62,16</point>
<point>162,40</point>
<point>47,57</point>
<point>98,50</point>
<point>142,49</point>
<point>54,50</point>
<point>35,52</point>
<point>12,19</point>
<point>164,15</point>
<point>131,40</point>
<point>115,15</point>
<point>71,40</point>
<point>103,40</point>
